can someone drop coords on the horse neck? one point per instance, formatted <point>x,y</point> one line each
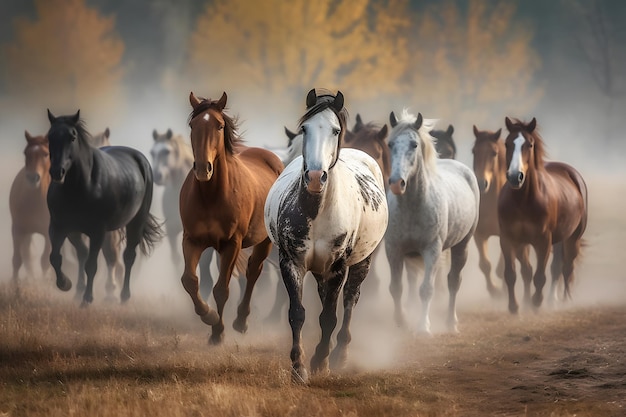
<point>418,184</point>
<point>499,174</point>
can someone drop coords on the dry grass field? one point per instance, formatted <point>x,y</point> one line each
<point>151,357</point>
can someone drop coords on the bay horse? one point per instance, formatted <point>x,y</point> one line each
<point>94,191</point>
<point>446,148</point>
<point>541,204</point>
<point>27,204</point>
<point>221,206</point>
<point>326,213</point>
<point>433,206</point>
<point>172,159</point>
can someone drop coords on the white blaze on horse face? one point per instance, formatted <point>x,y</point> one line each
<point>517,164</point>
<point>206,117</point>
<point>320,143</point>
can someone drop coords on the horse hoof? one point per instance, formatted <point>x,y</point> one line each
<point>319,366</point>
<point>64,284</point>
<point>338,358</point>
<point>216,339</point>
<point>537,300</point>
<point>211,318</point>
<point>240,325</point>
<point>85,304</point>
<point>299,375</point>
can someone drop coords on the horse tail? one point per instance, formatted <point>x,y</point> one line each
<point>151,235</point>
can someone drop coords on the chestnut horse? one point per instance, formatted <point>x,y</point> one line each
<point>541,204</point>
<point>221,206</point>
<point>27,203</point>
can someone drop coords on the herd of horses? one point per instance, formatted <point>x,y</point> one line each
<point>326,208</point>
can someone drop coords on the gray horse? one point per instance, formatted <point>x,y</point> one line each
<point>433,206</point>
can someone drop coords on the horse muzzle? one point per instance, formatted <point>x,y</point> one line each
<point>33,179</point>
<point>397,187</point>
<point>315,180</point>
<point>203,171</point>
<point>483,185</point>
<point>57,174</point>
<point>515,179</point>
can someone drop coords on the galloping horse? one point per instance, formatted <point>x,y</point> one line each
<point>446,148</point>
<point>94,191</point>
<point>433,206</point>
<point>172,159</point>
<point>27,203</point>
<point>542,204</point>
<point>221,206</point>
<point>326,214</point>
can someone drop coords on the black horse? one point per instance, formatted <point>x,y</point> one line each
<point>446,148</point>
<point>94,191</point>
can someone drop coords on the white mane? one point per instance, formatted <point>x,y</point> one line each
<point>406,121</point>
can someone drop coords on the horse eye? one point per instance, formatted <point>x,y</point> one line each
<point>413,145</point>
<point>302,129</point>
<point>221,127</point>
<point>336,132</point>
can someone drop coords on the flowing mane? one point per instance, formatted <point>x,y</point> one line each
<point>406,122</point>
<point>231,124</point>
<point>539,145</point>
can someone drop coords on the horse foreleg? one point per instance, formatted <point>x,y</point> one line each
<point>57,237</point>
<point>76,239</point>
<point>328,288</point>
<point>45,255</point>
<point>91,265</point>
<point>431,261</point>
<point>523,256</point>
<point>396,265</point>
<point>191,254</point>
<point>484,264</point>
<point>293,278</point>
<point>351,291</point>
<point>111,252</point>
<point>510,276</point>
<point>221,291</point>
<point>206,279</point>
<point>458,258</point>
<point>255,266</point>
<point>17,252</point>
<point>542,250</point>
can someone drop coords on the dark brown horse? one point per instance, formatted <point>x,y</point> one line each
<point>221,206</point>
<point>444,142</point>
<point>371,139</point>
<point>541,204</point>
<point>27,203</point>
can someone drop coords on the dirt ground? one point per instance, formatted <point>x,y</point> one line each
<point>151,357</point>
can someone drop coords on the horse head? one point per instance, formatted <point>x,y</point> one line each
<point>323,127</point>
<point>164,156</point>
<point>446,148</point>
<point>412,149</point>
<point>102,139</point>
<point>212,134</point>
<point>37,158</point>
<point>520,152</point>
<point>489,157</point>
<point>63,143</point>
<point>372,139</point>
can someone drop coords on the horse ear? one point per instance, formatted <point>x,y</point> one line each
<point>359,123</point>
<point>311,98</point>
<point>221,103</point>
<point>419,121</point>
<point>475,130</point>
<point>107,133</point>
<point>382,134</point>
<point>392,120</point>
<point>27,136</point>
<point>155,135</point>
<point>497,134</point>
<point>76,117</point>
<point>508,123</point>
<point>193,100</point>
<point>338,103</point>
<point>532,125</point>
<point>290,135</point>
<point>169,134</point>
<point>51,117</point>
<point>450,130</point>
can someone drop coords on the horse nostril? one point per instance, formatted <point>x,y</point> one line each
<point>209,167</point>
<point>520,177</point>
<point>402,183</point>
<point>194,165</point>
<point>306,175</point>
<point>324,177</point>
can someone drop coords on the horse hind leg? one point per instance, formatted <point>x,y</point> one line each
<point>351,291</point>
<point>111,252</point>
<point>571,250</point>
<point>18,248</point>
<point>396,266</point>
<point>255,265</point>
<point>45,256</point>
<point>484,264</point>
<point>556,269</point>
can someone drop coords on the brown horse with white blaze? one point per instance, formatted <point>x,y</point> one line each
<point>542,204</point>
<point>221,206</point>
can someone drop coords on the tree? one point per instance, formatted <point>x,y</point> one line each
<point>473,66</point>
<point>279,49</point>
<point>68,58</point>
